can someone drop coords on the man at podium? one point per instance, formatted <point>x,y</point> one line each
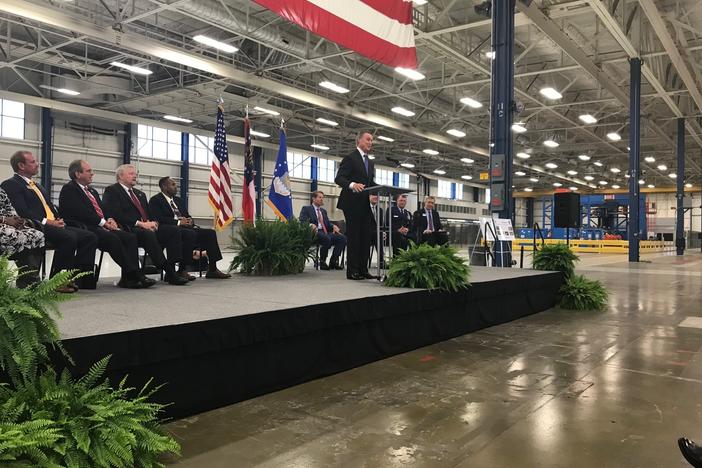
<point>356,172</point>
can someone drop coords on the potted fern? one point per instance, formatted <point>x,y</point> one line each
<point>424,266</point>
<point>272,248</point>
<point>49,419</point>
<point>578,292</point>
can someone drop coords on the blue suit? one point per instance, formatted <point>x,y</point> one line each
<point>325,240</point>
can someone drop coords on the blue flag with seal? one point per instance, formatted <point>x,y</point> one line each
<point>280,193</point>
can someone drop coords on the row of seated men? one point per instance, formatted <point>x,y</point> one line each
<point>424,226</point>
<point>119,223</point>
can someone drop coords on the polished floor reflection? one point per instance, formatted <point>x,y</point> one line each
<point>557,389</point>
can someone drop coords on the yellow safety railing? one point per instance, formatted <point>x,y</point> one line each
<point>598,246</point>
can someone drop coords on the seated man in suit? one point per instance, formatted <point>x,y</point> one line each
<point>328,234</point>
<point>168,210</point>
<point>74,248</point>
<point>377,212</point>
<point>402,231</point>
<point>427,224</point>
<point>79,203</point>
<point>129,207</point>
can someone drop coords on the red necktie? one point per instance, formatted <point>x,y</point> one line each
<point>135,200</point>
<point>320,219</point>
<point>92,199</point>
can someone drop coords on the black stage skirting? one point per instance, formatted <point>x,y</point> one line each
<point>214,363</point>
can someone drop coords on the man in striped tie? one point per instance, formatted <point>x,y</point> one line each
<point>74,248</point>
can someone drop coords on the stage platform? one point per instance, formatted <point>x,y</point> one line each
<point>216,342</point>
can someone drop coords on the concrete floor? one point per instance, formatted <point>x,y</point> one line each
<point>556,389</point>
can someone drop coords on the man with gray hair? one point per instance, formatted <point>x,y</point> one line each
<point>129,207</point>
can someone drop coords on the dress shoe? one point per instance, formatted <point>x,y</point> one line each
<point>130,284</point>
<point>691,451</point>
<point>65,289</point>
<point>355,277</point>
<point>323,266</point>
<point>336,267</point>
<point>186,275</point>
<point>367,275</point>
<point>73,286</point>
<point>216,274</point>
<point>145,281</point>
<point>175,280</point>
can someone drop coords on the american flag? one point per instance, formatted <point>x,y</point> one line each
<point>247,198</point>
<point>220,191</point>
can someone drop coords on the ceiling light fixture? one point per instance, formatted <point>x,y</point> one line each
<point>467,160</point>
<point>615,186</point>
<point>551,143</point>
<point>615,170</point>
<point>266,111</point>
<point>523,155</point>
<point>132,68</point>
<point>662,167</point>
<point>588,178</point>
<point>550,93</point>
<point>650,159</point>
<point>467,177</point>
<point>572,172</point>
<point>407,165</point>
<point>420,2</point>
<point>208,41</point>
<point>603,182</point>
<point>583,157</point>
<point>651,186</point>
<point>384,138</point>
<point>598,164</point>
<point>641,181</point>
<point>259,134</point>
<point>688,185</point>
<point>456,133</point>
<point>528,189</point>
<point>557,184</point>
<point>490,54</point>
<point>333,87</point>
<point>430,151</point>
<point>534,179</point>
<point>323,147</point>
<point>69,92</point>
<point>471,103</point>
<point>551,165</point>
<point>587,118</point>
<point>439,171</point>
<point>409,73</point>
<point>174,118</point>
<point>520,173</point>
<point>518,128</point>
<point>573,189</point>
<point>402,111</point>
<point>673,175</point>
<point>327,122</point>
<point>614,136</point>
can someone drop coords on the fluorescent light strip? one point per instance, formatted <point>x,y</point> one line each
<point>69,92</point>
<point>407,165</point>
<point>584,157</point>
<point>551,165</point>
<point>471,103</point>
<point>523,155</point>
<point>327,122</point>
<point>456,133</point>
<point>208,41</point>
<point>614,136</point>
<point>402,111</point>
<point>384,138</point>
<point>333,87</point>
<point>587,118</point>
<point>467,177</point>
<point>266,111</point>
<point>467,160</point>
<point>550,93</point>
<point>259,134</point>
<point>174,118</point>
<point>439,171</point>
<point>431,152</point>
<point>409,73</point>
<point>132,68</point>
<point>518,128</point>
<point>319,147</point>
<point>551,144</point>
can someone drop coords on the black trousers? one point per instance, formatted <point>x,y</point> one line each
<point>326,241</point>
<point>122,247</point>
<point>200,239</point>
<point>358,228</point>
<point>166,237</point>
<point>73,248</point>
<point>434,238</point>
<point>401,241</point>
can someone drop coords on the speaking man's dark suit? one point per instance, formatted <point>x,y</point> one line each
<point>73,247</point>
<point>325,240</point>
<point>125,212</point>
<point>193,238</point>
<point>356,208</point>
<point>401,218</point>
<point>75,206</point>
<point>421,222</point>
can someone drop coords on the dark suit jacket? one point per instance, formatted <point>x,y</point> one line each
<point>159,209</point>
<point>309,215</point>
<point>383,218</point>
<point>400,220</point>
<point>26,202</point>
<point>420,220</point>
<point>351,169</point>
<point>74,205</point>
<point>121,207</point>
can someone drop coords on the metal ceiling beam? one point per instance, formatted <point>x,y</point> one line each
<point>149,47</point>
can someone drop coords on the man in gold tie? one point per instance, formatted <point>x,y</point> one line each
<point>74,248</point>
